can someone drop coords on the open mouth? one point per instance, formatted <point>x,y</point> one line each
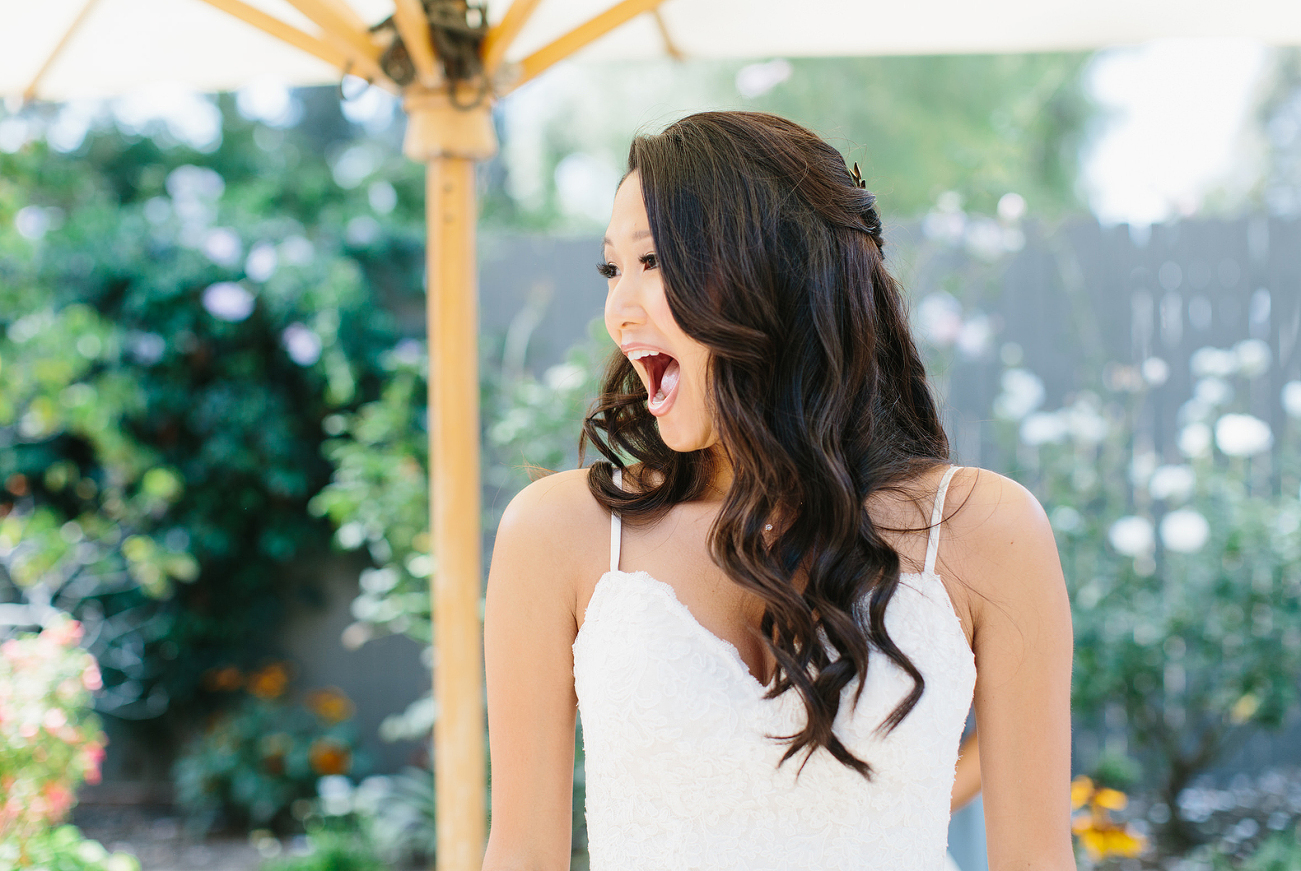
<point>662,373</point>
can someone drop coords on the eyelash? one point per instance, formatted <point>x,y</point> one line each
<point>609,270</point>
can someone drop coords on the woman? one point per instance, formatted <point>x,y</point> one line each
<point>749,601</point>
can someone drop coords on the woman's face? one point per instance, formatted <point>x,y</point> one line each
<point>671,364</point>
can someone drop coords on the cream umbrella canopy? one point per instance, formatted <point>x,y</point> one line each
<point>448,62</point>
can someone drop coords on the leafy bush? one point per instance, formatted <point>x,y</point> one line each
<point>332,848</point>
<point>1185,570</point>
<point>174,326</point>
<point>264,753</point>
<point>49,743</point>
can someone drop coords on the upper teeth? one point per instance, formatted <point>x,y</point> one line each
<point>637,355</point>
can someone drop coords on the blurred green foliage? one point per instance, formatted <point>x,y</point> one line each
<point>1184,571</point>
<point>979,126</point>
<point>177,326</point>
<point>266,751</point>
<point>332,849</point>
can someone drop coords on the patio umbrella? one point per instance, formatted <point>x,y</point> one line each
<point>449,62</point>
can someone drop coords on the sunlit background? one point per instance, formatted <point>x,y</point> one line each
<point>212,417</point>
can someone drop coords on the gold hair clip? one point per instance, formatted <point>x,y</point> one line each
<point>857,177</point>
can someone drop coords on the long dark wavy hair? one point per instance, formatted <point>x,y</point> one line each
<point>771,258</point>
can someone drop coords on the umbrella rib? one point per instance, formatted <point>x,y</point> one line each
<point>581,35</point>
<point>30,92</point>
<point>349,15</point>
<point>670,47</point>
<point>286,33</point>
<point>501,36</point>
<point>333,25</point>
<point>413,27</point>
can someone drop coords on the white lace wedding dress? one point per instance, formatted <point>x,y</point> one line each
<point>681,775</point>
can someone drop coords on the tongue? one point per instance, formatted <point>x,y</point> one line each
<point>669,379</point>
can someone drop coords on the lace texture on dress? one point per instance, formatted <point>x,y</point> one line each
<point>681,773</point>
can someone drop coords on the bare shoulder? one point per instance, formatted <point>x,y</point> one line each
<point>561,498</point>
<point>999,545</point>
<point>552,533</point>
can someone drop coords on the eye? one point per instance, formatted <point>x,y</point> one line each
<point>609,270</point>
<point>650,261</point>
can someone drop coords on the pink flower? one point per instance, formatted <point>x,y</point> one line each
<point>90,678</point>
<point>93,754</point>
<point>54,720</point>
<point>65,633</point>
<point>59,800</point>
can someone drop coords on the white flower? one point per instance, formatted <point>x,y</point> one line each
<point>1292,399</point>
<point>1155,371</point>
<point>1142,467</point>
<point>1254,357</point>
<point>1065,518</point>
<point>1212,391</point>
<point>1184,531</point>
<point>1195,440</point>
<point>147,348</point>
<point>757,79</point>
<point>1132,536</point>
<point>1023,392</point>
<point>939,317</point>
<point>564,376</point>
<point>1194,410</point>
<point>228,301</point>
<point>1086,424</point>
<point>984,238</point>
<point>297,251</point>
<point>195,182</point>
<point>361,231</point>
<point>222,246</point>
<point>1172,483</point>
<point>408,352</point>
<point>261,262</point>
<point>975,337</point>
<point>335,791</point>
<point>383,198</point>
<point>1011,207</point>
<point>303,345</point>
<point>1241,435</point>
<point>1216,362</point>
<point>1042,428</point>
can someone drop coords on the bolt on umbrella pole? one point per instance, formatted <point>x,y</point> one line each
<point>450,142</point>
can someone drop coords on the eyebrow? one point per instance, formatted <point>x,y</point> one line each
<point>640,234</point>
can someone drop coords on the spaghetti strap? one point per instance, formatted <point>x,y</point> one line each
<point>937,515</point>
<point>616,526</point>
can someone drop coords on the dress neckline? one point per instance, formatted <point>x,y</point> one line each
<point>727,648</point>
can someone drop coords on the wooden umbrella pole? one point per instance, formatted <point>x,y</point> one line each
<point>450,142</point>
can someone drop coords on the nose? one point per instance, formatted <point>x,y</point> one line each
<point>623,307</point>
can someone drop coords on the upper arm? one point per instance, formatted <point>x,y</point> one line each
<point>1023,646</point>
<point>529,629</point>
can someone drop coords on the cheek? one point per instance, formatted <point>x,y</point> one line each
<point>611,326</point>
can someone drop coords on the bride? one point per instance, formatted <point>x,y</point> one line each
<point>774,600</point>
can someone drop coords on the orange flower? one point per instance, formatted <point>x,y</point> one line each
<point>331,705</point>
<point>1101,836</point>
<point>1081,791</point>
<point>223,680</point>
<point>329,757</point>
<point>269,682</point>
<point>1102,843</point>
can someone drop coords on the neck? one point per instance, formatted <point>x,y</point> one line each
<point>722,480</point>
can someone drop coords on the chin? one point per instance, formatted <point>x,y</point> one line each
<point>684,443</point>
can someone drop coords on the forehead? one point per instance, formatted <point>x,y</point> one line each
<point>628,219</point>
